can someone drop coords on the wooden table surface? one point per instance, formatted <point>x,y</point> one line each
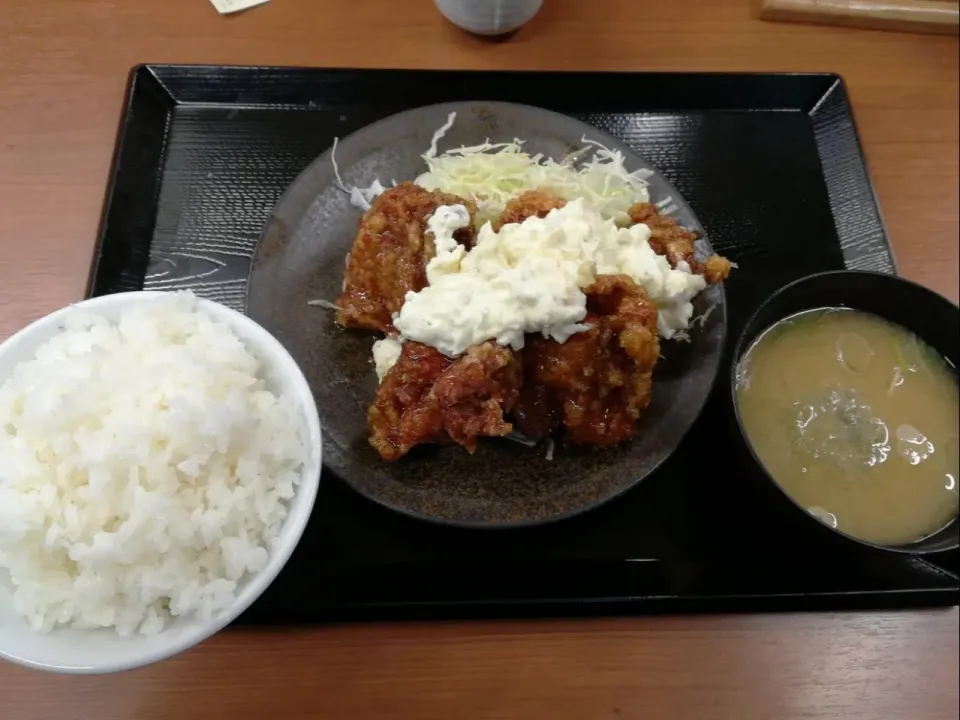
<point>63,66</point>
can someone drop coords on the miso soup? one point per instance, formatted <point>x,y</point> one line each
<point>857,420</point>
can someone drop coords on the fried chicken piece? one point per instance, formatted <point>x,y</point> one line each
<point>476,391</point>
<point>676,243</point>
<point>427,397</point>
<point>538,412</point>
<point>716,269</point>
<point>532,203</point>
<point>405,412</point>
<point>390,254</point>
<point>601,379</point>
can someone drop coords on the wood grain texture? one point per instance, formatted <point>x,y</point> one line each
<point>853,667</point>
<point>63,67</point>
<point>937,17</point>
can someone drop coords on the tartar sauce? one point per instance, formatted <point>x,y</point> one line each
<point>444,222</point>
<point>386,352</point>
<point>527,278</point>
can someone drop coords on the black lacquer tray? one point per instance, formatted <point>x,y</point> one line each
<point>772,166</point>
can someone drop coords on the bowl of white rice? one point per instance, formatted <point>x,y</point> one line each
<point>160,457</point>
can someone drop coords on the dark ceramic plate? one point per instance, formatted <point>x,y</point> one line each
<point>300,258</point>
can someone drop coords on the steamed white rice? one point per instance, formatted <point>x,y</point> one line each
<point>145,469</point>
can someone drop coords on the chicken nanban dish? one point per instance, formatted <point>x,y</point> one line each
<point>517,296</point>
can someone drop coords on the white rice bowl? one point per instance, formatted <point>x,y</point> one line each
<point>142,511</point>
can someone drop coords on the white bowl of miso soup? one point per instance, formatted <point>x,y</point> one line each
<point>846,393</point>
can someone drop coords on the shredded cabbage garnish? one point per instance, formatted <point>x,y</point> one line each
<point>360,197</point>
<point>516,437</point>
<point>551,446</point>
<point>326,304</point>
<point>438,135</point>
<point>493,174</point>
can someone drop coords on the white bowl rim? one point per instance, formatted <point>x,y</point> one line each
<point>301,506</point>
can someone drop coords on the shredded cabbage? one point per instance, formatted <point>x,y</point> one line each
<point>493,174</point>
<point>360,197</point>
<point>438,135</point>
<point>516,437</point>
<point>325,304</point>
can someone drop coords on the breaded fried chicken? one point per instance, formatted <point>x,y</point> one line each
<point>390,255</point>
<point>404,412</point>
<point>676,243</point>
<point>600,380</point>
<point>427,397</point>
<point>476,391</point>
<point>532,203</point>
